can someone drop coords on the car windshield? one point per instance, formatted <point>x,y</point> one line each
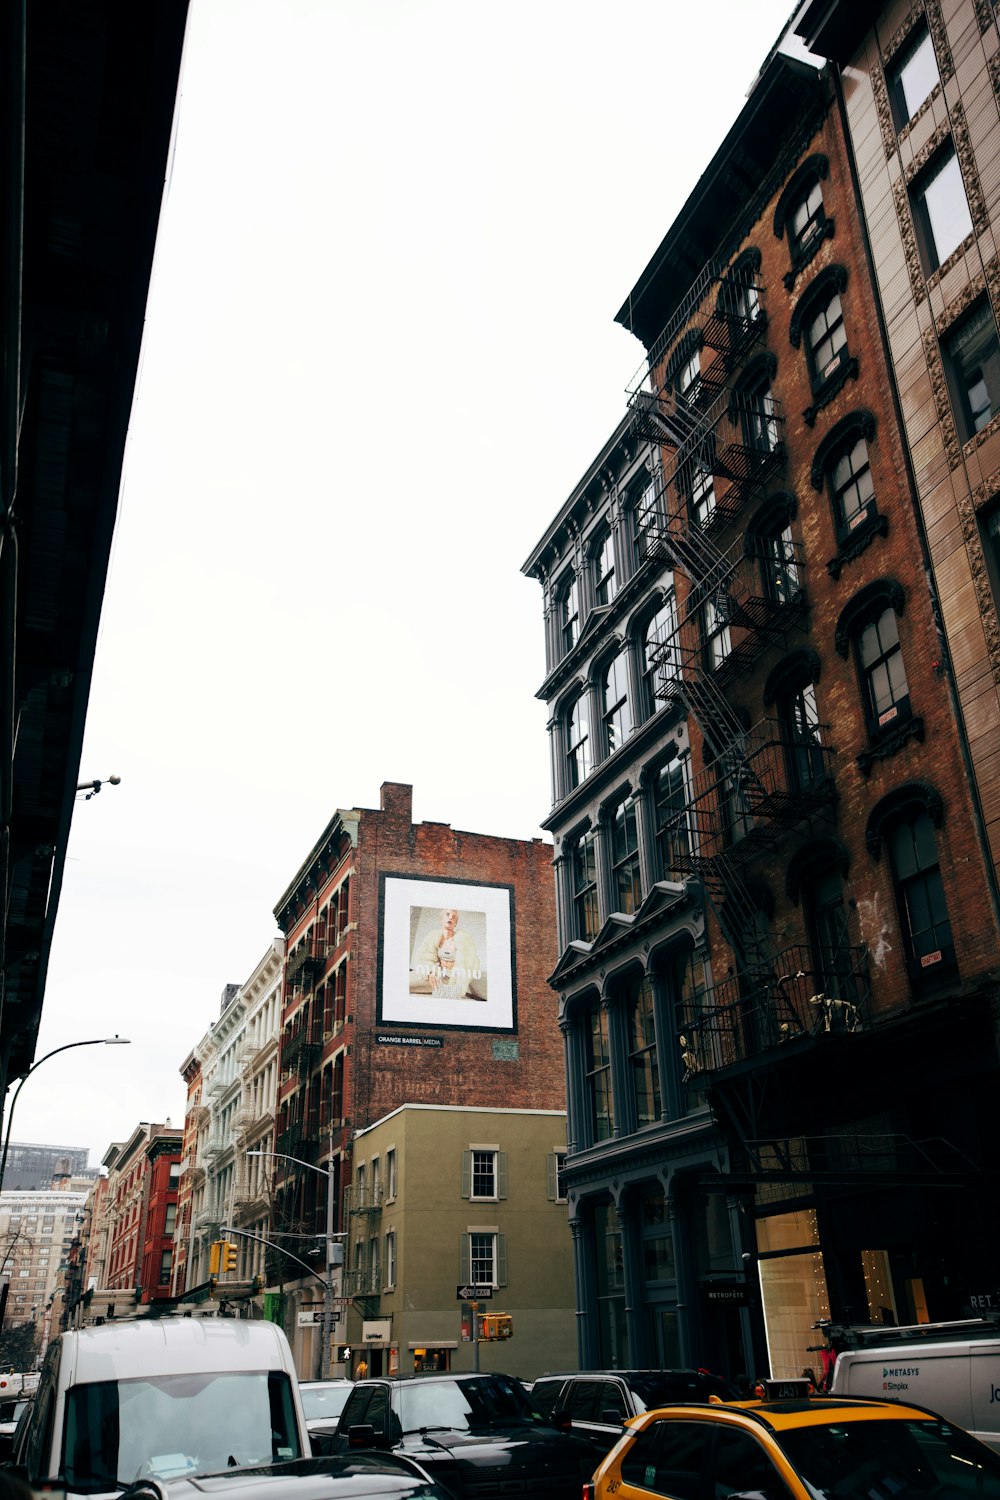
<point>118,1431</point>
<point>324,1403</point>
<point>892,1459</point>
<point>463,1404</point>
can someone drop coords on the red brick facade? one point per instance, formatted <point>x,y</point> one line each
<point>337,1076</point>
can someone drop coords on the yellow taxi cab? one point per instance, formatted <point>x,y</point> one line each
<point>793,1445</point>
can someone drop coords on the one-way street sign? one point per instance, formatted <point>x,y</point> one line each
<point>474,1293</point>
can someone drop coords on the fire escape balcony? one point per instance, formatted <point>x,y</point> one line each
<point>362,1281</point>
<point>302,1047</point>
<point>303,966</point>
<point>723,312</point>
<point>198,1114</point>
<point>298,1140</point>
<point>808,995</point>
<point>771,773</point>
<point>365,1200</point>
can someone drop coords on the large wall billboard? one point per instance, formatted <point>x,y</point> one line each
<point>446,955</point>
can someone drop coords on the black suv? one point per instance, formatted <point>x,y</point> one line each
<point>596,1403</point>
<point>478,1435</point>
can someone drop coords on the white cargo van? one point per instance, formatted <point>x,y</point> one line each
<point>161,1397</point>
<point>958,1379</point>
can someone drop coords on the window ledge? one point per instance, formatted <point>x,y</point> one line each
<point>853,546</point>
<point>890,742</point>
<point>824,394</point>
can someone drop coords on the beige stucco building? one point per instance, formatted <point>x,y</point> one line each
<point>444,1196</point>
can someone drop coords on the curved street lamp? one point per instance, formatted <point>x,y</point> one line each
<point>97,1041</point>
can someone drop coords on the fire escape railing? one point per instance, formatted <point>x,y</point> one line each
<point>817,992</point>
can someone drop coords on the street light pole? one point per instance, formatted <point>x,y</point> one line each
<point>330,1246</point>
<point>97,1041</point>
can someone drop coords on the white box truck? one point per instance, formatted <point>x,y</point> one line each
<point>959,1378</point>
<point>160,1397</point>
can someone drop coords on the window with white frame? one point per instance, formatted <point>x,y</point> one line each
<point>484,1257</point>
<point>390,1174</point>
<point>390,1259</point>
<point>484,1173</point>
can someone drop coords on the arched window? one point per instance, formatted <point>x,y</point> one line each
<point>660,665</point>
<point>800,211</point>
<point>583,883</point>
<point>818,323</point>
<point>615,711</point>
<point>904,822</point>
<point>754,407</point>
<point>578,750</point>
<point>626,877</point>
<point>769,538</point>
<point>670,818</point>
<point>791,687</point>
<point>568,612</point>
<point>605,578</point>
<point>643,1066</point>
<point>600,1103</point>
<point>868,625</point>
<point>816,876</point>
<point>842,464</point>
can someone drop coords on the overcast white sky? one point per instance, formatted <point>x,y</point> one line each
<point>380,350</point>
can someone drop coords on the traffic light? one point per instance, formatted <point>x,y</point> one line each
<point>230,1255</point>
<point>214,1257</point>
<point>495,1326</point>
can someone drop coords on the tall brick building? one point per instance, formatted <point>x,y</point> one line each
<point>416,964</point>
<point>777,915</point>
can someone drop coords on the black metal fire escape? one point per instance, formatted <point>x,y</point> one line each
<point>722,448</point>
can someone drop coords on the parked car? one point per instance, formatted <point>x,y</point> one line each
<point>477,1435</point>
<point>596,1404</point>
<point>798,1449</point>
<point>322,1402</point>
<point>10,1415</point>
<point>380,1476</point>
<point>160,1397</point>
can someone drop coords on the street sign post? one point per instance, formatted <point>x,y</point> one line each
<point>474,1293</point>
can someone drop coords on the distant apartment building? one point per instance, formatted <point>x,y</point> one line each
<point>36,1231</point>
<point>444,1196</point>
<point>232,1078</point>
<point>415,973</point>
<point>143,1174</point>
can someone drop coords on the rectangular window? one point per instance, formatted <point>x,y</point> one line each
<point>484,1174</point>
<point>166,1262</point>
<point>555,1171</point>
<point>170,1218</point>
<point>390,1174</point>
<point>912,76</point>
<point>484,1258</point>
<point>718,640</point>
<point>605,585</point>
<point>390,1259</point>
<point>972,357</point>
<point>940,210</point>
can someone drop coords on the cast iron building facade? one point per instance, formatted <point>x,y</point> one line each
<point>777,920</point>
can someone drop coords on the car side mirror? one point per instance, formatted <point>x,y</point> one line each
<point>561,1419</point>
<point>361,1435</point>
